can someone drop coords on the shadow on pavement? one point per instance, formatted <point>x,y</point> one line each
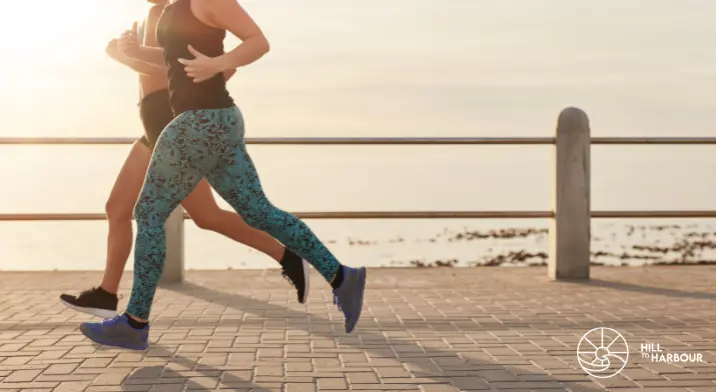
<point>469,370</point>
<point>644,289</point>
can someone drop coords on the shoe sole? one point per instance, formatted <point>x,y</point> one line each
<point>362,277</point>
<point>306,280</point>
<point>103,313</point>
<point>88,334</point>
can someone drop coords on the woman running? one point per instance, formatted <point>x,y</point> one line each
<point>155,112</point>
<point>206,139</point>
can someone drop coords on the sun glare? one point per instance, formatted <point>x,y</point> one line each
<point>56,50</point>
<point>49,33</point>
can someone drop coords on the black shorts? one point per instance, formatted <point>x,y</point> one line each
<point>156,113</point>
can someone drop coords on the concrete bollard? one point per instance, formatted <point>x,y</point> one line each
<point>174,263</point>
<point>570,229</point>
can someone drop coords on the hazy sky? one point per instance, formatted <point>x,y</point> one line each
<point>376,67</point>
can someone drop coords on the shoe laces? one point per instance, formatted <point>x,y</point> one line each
<point>111,321</point>
<point>87,292</point>
<point>96,289</point>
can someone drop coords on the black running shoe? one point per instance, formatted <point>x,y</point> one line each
<point>94,301</point>
<point>296,271</point>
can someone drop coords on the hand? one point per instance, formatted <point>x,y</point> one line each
<point>112,49</point>
<point>129,42</point>
<point>202,67</point>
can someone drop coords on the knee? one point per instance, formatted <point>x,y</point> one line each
<point>118,210</point>
<point>141,210</point>
<point>260,216</point>
<point>146,213</point>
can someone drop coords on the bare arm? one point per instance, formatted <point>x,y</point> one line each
<point>153,56</point>
<point>145,49</point>
<point>230,16</point>
<point>142,67</point>
<point>141,64</point>
<point>229,73</point>
<point>136,65</point>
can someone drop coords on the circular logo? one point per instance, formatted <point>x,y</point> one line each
<point>602,352</point>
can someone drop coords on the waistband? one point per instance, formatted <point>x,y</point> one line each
<point>233,108</point>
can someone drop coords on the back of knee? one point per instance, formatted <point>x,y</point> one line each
<point>118,210</point>
<point>206,220</point>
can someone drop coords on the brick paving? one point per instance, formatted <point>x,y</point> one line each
<point>431,330</point>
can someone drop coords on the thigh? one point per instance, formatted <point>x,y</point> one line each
<point>231,173</point>
<point>174,168</point>
<point>237,180</point>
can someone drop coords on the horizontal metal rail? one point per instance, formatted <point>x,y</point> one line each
<point>305,141</point>
<point>653,140</point>
<point>398,215</point>
<point>654,214</point>
<point>322,215</point>
<point>383,141</point>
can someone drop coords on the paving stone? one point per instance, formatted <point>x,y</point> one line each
<point>422,329</point>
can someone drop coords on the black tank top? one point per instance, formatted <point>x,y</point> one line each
<point>176,29</point>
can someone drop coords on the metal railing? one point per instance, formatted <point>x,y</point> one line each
<point>570,232</point>
<point>402,141</point>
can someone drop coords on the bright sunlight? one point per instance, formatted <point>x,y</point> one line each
<point>55,52</point>
<point>50,36</point>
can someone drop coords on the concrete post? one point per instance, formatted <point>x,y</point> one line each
<point>174,263</point>
<point>570,232</point>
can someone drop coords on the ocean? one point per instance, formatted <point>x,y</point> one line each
<point>383,68</point>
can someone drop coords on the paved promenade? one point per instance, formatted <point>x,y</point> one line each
<point>432,330</point>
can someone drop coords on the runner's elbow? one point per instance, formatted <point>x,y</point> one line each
<point>262,44</point>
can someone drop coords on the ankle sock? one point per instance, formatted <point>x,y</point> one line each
<point>134,323</point>
<point>338,280</point>
<point>291,260</point>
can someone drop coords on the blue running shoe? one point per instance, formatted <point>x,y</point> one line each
<point>118,333</point>
<point>349,296</point>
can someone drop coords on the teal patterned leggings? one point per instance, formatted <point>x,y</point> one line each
<point>210,144</point>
